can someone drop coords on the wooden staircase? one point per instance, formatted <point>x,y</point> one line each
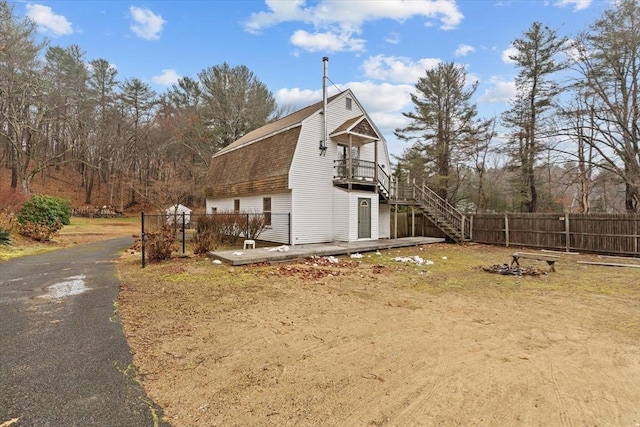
<point>362,174</point>
<point>440,212</point>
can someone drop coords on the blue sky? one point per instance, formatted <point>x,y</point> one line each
<point>378,48</point>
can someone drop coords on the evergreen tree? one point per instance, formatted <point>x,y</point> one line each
<point>442,125</point>
<point>235,102</point>
<point>537,58</point>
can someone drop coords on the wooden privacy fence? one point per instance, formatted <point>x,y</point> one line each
<point>610,234</point>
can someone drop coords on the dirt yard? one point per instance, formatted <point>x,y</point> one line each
<point>380,341</point>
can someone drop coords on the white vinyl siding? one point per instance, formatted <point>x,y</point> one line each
<point>345,215</point>
<point>311,177</point>
<point>384,221</point>
<point>278,232</point>
<point>341,214</point>
<point>319,212</point>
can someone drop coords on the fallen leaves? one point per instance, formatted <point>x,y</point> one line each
<point>316,267</point>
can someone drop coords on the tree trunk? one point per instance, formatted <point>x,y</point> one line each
<point>14,170</point>
<point>631,198</point>
<point>88,188</point>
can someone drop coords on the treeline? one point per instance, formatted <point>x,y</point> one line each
<point>569,142</point>
<point>58,110</point>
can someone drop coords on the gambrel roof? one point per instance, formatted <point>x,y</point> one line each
<point>259,162</point>
<point>280,125</point>
<point>255,168</point>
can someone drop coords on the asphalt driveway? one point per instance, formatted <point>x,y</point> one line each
<point>64,360</point>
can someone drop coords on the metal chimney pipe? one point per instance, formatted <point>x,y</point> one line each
<point>325,78</point>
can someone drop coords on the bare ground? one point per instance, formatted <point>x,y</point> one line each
<point>381,342</point>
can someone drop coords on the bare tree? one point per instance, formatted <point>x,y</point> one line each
<point>23,108</point>
<point>576,121</point>
<point>608,61</point>
<point>480,150</point>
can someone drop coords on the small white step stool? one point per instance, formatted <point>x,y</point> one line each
<point>249,244</point>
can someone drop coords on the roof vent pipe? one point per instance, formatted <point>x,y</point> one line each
<point>325,77</point>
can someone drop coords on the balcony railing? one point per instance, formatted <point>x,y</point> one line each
<point>359,170</point>
<point>363,172</point>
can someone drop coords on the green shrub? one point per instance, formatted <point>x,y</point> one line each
<point>43,216</point>
<point>5,239</point>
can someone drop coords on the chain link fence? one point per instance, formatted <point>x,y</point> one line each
<point>199,233</point>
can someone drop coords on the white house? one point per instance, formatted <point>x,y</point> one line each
<point>321,174</point>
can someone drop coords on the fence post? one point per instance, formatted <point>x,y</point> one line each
<point>567,232</point>
<point>183,232</point>
<point>506,229</point>
<point>413,222</point>
<point>463,227</point>
<point>395,219</point>
<point>471,228</point>
<point>142,239</point>
<point>637,242</point>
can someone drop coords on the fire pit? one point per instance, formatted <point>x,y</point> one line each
<point>507,270</point>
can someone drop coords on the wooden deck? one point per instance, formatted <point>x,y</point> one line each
<point>285,253</point>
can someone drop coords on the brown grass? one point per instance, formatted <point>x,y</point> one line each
<point>81,230</point>
<point>382,342</point>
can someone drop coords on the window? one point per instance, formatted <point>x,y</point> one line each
<point>349,102</point>
<point>236,205</point>
<point>266,210</point>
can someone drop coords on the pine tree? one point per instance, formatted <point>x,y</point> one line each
<point>537,60</point>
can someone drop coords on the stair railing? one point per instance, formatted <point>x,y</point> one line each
<point>384,181</point>
<point>443,213</point>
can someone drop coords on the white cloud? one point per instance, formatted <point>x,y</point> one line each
<point>384,97</point>
<point>326,42</point>
<point>335,22</point>
<point>510,51</point>
<point>392,38</point>
<point>296,96</point>
<point>501,91</point>
<point>146,24</point>
<point>397,69</point>
<point>577,4</point>
<point>383,102</point>
<point>464,50</point>
<point>48,21</point>
<point>279,11</point>
<point>167,78</point>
